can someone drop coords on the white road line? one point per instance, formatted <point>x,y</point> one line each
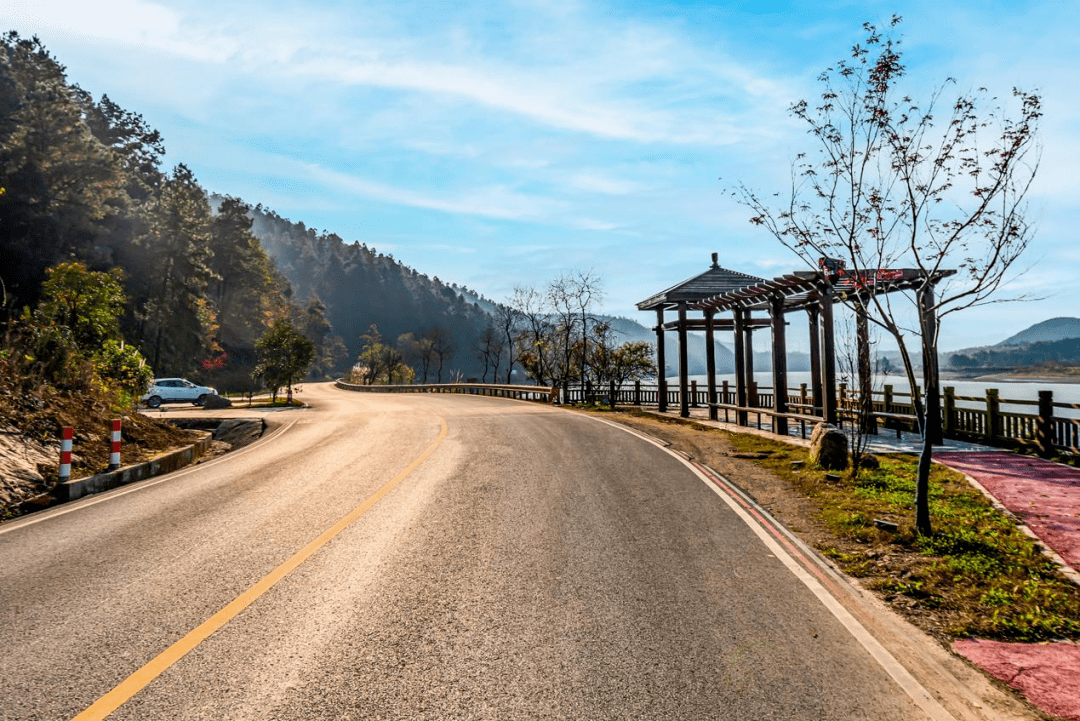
<point>903,678</point>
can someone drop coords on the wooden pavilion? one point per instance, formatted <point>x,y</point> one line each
<point>714,282</point>
<point>814,292</point>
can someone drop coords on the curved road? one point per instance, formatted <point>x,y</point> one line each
<point>521,562</point>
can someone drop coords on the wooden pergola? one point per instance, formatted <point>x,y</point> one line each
<point>713,283</point>
<point>812,292</point>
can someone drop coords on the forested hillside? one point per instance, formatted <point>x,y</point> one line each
<point>201,280</point>
<point>359,286</point>
<point>82,180</point>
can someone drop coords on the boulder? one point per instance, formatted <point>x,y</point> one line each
<point>214,402</point>
<point>239,432</point>
<point>829,447</point>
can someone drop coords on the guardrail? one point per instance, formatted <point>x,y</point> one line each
<point>525,393</point>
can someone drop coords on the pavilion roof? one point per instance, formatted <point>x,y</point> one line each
<point>802,288</point>
<point>714,282</point>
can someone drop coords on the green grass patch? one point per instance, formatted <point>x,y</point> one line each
<point>977,575</point>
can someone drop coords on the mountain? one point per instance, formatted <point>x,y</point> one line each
<point>359,286</point>
<point>1054,341</point>
<point>1051,330</point>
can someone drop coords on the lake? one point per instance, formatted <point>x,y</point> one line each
<point>1018,390</point>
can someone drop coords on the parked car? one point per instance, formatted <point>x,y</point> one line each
<point>176,390</point>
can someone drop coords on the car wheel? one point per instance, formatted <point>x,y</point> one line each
<point>153,401</point>
<point>201,400</point>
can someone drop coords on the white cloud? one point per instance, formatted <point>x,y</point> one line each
<point>591,224</point>
<point>598,182</point>
<point>490,202</point>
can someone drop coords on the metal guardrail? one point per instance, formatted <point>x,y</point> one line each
<point>526,393</point>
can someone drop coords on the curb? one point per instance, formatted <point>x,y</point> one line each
<point>79,487</point>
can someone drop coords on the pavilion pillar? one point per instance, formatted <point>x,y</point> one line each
<point>779,364</point>
<point>710,362</point>
<point>661,363</point>
<point>748,348</point>
<point>684,372</point>
<point>828,356</point>
<point>868,424</point>
<point>815,358</point>
<point>741,416</point>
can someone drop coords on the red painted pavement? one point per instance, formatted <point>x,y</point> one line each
<point>1044,495</point>
<point>1047,674</point>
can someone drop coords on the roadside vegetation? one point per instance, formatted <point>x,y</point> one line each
<point>977,574</point>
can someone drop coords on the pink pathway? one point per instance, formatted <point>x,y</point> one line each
<point>1044,495</point>
<point>1048,674</point>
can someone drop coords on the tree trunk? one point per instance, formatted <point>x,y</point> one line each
<point>932,416</point>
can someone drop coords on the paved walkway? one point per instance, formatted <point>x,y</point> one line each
<point>887,441</point>
<point>1045,497</point>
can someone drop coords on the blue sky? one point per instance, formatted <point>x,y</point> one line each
<point>498,144</point>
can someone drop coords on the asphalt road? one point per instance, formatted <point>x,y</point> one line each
<point>523,562</point>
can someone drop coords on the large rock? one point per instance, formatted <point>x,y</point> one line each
<point>214,401</point>
<point>828,447</point>
<point>239,432</point>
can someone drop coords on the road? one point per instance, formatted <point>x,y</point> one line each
<point>497,560</point>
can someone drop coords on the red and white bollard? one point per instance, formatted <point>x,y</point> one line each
<point>66,438</point>
<point>114,455</point>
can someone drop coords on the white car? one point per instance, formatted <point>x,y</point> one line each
<point>176,390</point>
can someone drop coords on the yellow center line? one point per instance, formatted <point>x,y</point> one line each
<point>137,681</point>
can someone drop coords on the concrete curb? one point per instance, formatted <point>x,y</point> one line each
<point>167,463</point>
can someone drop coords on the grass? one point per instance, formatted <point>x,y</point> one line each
<point>976,575</point>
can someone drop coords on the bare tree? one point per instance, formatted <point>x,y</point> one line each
<point>534,343</point>
<point>508,319</point>
<point>418,352</point>
<point>935,186</point>
<point>564,326</point>
<point>491,347</point>
<point>572,298</point>
<point>442,347</point>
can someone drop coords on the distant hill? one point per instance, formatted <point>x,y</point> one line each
<point>1052,341</point>
<point>1051,330</point>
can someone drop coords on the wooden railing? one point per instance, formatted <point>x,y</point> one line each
<point>527,393</point>
<point>1042,429</point>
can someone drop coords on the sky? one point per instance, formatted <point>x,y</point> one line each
<point>499,144</point>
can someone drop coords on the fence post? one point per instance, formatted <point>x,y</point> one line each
<point>693,394</point>
<point>611,394</point>
<point>114,451</point>
<point>802,398</point>
<point>752,399</point>
<point>637,393</point>
<point>993,417</point>
<point>1044,428</point>
<point>949,408</point>
<point>67,436</point>
<point>724,394</point>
